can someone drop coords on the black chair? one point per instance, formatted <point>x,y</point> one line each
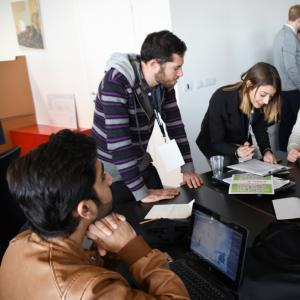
<point>11,216</point>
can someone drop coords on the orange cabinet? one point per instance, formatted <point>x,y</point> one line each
<point>30,137</point>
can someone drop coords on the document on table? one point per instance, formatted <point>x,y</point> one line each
<point>251,184</point>
<point>258,167</point>
<point>287,208</point>
<point>170,211</point>
<point>277,182</point>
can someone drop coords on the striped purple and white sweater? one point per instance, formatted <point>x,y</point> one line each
<point>123,123</point>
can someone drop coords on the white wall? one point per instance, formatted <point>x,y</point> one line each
<point>79,36</point>
<point>224,39</point>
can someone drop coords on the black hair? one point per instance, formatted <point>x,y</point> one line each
<point>162,45</point>
<point>51,180</point>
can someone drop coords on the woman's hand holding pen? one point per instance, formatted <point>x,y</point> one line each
<point>245,151</point>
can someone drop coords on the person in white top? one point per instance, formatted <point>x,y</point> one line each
<point>294,142</point>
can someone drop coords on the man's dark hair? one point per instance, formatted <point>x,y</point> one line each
<point>162,45</point>
<point>51,180</point>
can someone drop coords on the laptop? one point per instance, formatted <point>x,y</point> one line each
<point>213,266</point>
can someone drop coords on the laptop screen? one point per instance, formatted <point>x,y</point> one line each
<point>218,243</point>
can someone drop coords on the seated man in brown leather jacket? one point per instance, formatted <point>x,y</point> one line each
<point>65,194</point>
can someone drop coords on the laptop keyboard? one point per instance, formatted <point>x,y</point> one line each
<point>197,286</point>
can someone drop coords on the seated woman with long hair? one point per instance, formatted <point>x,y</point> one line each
<point>236,111</point>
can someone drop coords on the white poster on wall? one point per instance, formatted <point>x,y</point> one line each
<point>62,110</point>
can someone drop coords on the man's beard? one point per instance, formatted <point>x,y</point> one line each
<point>160,77</point>
<point>104,209</point>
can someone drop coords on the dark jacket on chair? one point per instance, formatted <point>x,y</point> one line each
<point>225,126</point>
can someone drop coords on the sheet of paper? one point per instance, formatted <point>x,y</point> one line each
<point>170,155</point>
<point>170,211</point>
<point>287,208</point>
<point>258,167</point>
<point>62,110</point>
<point>277,182</point>
<point>251,184</point>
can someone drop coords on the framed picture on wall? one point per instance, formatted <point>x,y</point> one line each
<point>27,20</point>
<point>62,110</point>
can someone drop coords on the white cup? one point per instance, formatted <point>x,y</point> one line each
<point>216,163</point>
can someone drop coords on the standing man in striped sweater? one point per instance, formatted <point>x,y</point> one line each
<point>131,93</point>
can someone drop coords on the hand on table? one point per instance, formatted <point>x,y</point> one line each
<point>160,194</point>
<point>192,180</point>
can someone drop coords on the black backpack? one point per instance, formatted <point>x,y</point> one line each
<point>165,233</point>
<point>272,267</point>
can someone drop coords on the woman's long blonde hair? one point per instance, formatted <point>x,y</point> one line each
<point>260,74</point>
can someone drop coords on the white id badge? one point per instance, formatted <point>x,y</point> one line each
<point>170,155</point>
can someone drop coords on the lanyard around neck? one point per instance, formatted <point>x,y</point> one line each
<point>155,97</point>
<point>160,124</point>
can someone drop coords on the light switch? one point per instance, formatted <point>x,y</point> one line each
<point>210,81</point>
<point>199,84</point>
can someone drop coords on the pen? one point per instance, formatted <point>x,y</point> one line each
<point>147,221</point>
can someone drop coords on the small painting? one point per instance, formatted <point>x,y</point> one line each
<point>27,19</point>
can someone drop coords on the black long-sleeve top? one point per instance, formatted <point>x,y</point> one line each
<point>225,126</point>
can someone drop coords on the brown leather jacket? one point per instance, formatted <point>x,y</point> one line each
<point>36,269</point>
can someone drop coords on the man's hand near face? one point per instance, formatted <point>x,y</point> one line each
<point>111,233</point>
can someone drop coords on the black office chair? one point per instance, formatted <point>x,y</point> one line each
<point>11,216</point>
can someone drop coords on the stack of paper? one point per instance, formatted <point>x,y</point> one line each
<point>277,182</point>
<point>258,167</point>
<point>246,183</point>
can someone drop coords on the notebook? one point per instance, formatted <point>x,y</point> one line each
<point>217,253</point>
<point>259,167</point>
